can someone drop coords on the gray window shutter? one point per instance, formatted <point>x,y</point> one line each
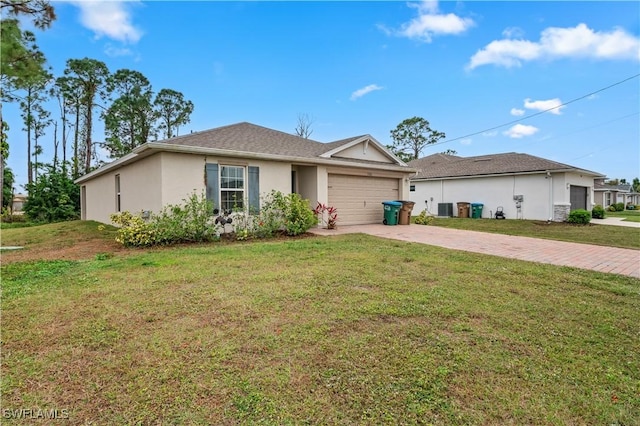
<point>254,189</point>
<point>213,185</point>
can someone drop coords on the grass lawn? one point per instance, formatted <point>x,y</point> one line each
<point>604,235</point>
<point>628,215</point>
<point>322,330</point>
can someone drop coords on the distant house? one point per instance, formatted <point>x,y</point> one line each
<point>523,186</point>
<point>235,165</point>
<point>607,195</point>
<point>17,204</point>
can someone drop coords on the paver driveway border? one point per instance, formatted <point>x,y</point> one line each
<point>611,260</point>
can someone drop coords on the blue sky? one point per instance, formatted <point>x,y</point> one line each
<point>363,67</point>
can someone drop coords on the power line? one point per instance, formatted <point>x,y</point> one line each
<point>538,113</point>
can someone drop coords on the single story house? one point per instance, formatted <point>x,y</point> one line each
<point>607,195</point>
<point>236,165</point>
<point>523,186</point>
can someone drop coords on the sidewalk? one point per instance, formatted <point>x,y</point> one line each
<point>597,258</point>
<point>616,221</point>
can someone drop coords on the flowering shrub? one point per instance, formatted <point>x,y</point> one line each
<point>330,212</point>
<point>134,231</point>
<point>423,218</point>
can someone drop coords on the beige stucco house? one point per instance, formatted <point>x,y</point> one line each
<point>522,185</point>
<point>607,195</point>
<point>235,165</point>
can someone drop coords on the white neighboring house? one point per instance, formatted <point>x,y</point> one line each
<point>524,186</point>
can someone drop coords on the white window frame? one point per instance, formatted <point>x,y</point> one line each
<point>239,202</point>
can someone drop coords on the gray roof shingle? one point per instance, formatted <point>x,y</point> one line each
<point>247,137</point>
<point>443,166</point>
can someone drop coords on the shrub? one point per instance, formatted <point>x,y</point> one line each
<point>611,208</point>
<point>619,207</point>
<point>579,216</point>
<point>53,197</point>
<point>631,206</point>
<point>190,222</point>
<point>298,217</point>
<point>331,213</point>
<point>134,231</point>
<point>423,218</point>
<point>597,212</point>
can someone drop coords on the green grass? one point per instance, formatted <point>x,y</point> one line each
<point>628,215</point>
<point>604,235</point>
<point>334,330</point>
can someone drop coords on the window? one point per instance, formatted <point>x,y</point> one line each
<point>232,188</point>
<point>607,202</point>
<point>412,188</point>
<point>118,205</point>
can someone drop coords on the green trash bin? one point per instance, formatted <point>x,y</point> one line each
<point>391,210</point>
<point>476,210</point>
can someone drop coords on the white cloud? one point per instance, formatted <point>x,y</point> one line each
<point>430,22</point>
<point>545,105</point>
<point>513,32</point>
<point>110,19</point>
<point>114,52</point>
<point>367,89</point>
<point>555,43</point>
<point>520,130</point>
<point>465,141</point>
<point>517,112</point>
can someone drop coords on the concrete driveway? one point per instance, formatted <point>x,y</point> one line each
<point>615,221</point>
<point>597,258</point>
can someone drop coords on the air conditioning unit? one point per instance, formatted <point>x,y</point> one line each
<point>445,209</point>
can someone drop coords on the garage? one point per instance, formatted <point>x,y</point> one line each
<point>359,198</point>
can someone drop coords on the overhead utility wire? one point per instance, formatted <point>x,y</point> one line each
<point>539,113</point>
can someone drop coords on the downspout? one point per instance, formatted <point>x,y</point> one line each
<point>550,196</point>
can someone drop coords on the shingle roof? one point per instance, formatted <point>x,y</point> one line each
<point>443,166</point>
<point>247,137</point>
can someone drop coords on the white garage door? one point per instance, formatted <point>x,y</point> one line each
<point>359,198</point>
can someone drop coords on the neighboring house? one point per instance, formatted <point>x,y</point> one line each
<point>17,204</point>
<point>606,195</point>
<point>236,165</point>
<point>524,186</point>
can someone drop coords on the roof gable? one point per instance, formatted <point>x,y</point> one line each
<point>361,148</point>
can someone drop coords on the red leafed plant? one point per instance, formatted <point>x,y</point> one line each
<point>331,214</point>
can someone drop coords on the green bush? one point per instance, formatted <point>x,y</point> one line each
<point>53,197</point>
<point>611,208</point>
<point>189,222</point>
<point>298,216</point>
<point>597,212</point>
<point>134,231</point>
<point>619,207</point>
<point>423,218</point>
<point>579,216</point>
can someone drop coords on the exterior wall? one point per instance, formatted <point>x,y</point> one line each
<point>169,178</point>
<point>139,190</point>
<point>358,152</point>
<point>182,174</point>
<point>308,184</point>
<point>493,192</point>
<point>564,181</point>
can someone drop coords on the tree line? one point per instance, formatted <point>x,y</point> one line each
<point>86,91</point>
